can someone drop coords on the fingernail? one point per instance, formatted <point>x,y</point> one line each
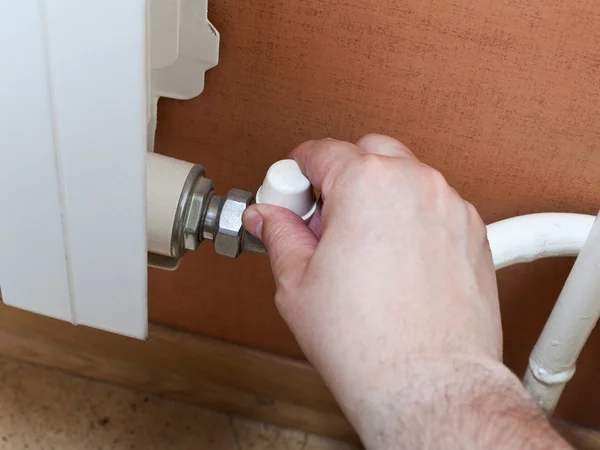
<point>253,221</point>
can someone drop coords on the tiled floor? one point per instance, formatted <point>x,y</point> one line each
<point>41,409</point>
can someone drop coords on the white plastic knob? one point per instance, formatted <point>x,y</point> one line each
<point>285,185</point>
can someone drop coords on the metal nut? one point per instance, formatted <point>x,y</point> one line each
<point>229,229</point>
<point>195,213</point>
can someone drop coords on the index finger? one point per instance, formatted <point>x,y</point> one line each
<point>324,160</point>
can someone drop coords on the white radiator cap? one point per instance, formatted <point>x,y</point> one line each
<point>285,185</point>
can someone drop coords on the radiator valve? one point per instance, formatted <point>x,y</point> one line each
<point>184,210</point>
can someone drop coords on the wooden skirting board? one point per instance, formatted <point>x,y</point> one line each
<point>183,366</point>
<point>194,369</point>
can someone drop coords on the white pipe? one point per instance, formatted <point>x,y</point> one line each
<point>165,180</point>
<point>534,236</point>
<point>552,362</point>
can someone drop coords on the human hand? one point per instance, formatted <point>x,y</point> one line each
<point>390,290</point>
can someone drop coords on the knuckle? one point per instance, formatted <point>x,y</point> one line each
<point>375,169</point>
<point>374,163</point>
<point>434,178</point>
<point>372,138</point>
<point>384,145</point>
<point>331,146</point>
<point>435,184</point>
<point>471,210</point>
<point>329,160</point>
<point>474,217</point>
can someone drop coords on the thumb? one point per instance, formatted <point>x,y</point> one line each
<point>288,240</point>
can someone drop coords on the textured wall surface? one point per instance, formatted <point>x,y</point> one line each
<point>502,96</point>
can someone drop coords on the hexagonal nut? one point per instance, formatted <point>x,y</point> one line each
<point>229,229</point>
<point>195,211</point>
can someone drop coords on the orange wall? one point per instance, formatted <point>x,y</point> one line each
<point>502,96</point>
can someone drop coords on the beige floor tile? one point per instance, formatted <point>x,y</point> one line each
<point>42,409</point>
<point>253,435</point>
<point>47,410</point>
<point>314,442</point>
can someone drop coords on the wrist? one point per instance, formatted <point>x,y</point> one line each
<point>464,401</point>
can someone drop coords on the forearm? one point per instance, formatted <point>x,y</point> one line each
<point>461,405</point>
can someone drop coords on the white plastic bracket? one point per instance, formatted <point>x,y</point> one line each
<point>183,46</point>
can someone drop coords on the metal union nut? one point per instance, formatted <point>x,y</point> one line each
<point>195,212</point>
<point>229,228</point>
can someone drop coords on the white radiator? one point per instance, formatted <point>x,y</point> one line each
<point>79,82</point>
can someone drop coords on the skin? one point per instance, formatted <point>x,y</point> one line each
<point>391,293</point>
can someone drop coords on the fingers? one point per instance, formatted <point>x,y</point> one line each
<point>324,160</point>
<point>289,242</point>
<point>379,144</point>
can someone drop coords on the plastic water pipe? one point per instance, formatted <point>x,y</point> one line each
<point>535,236</point>
<point>552,362</point>
<point>530,237</point>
